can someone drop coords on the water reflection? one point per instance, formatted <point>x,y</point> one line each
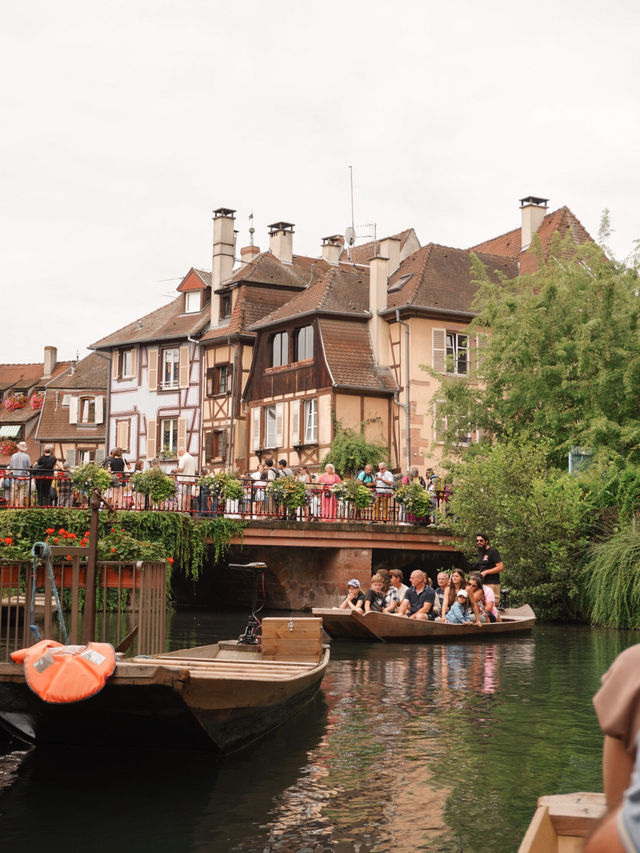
<point>410,748</point>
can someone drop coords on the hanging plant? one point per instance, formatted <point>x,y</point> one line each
<point>155,483</point>
<point>289,492</point>
<point>15,401</point>
<point>91,476</point>
<point>416,499</point>
<point>224,485</point>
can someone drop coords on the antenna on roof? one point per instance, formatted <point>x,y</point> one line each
<point>252,230</point>
<point>350,231</point>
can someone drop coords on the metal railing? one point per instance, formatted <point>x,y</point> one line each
<point>202,502</point>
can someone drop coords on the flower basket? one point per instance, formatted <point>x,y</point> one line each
<point>36,401</point>
<point>415,499</point>
<point>340,491</point>
<point>8,447</point>
<point>91,476</point>
<point>289,492</point>
<point>154,483</point>
<point>15,401</point>
<point>225,485</point>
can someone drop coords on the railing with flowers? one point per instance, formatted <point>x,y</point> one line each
<point>228,495</point>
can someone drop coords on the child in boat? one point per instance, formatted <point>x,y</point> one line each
<point>458,613</point>
<point>374,599</point>
<point>355,597</point>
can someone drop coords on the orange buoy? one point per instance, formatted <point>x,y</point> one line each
<point>62,674</point>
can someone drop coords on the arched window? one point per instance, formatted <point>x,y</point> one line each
<point>303,343</point>
<point>280,349</point>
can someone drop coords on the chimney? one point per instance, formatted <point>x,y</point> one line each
<point>378,329</point>
<point>281,241</point>
<point>50,361</point>
<point>223,255</point>
<point>248,253</point>
<point>332,248</point>
<point>390,248</point>
<point>533,211</point>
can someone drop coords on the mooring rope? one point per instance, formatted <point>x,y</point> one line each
<point>42,551</point>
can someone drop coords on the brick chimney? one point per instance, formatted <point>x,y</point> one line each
<point>378,329</point>
<point>248,253</point>
<point>390,248</point>
<point>281,241</point>
<point>533,211</point>
<point>332,248</point>
<point>50,361</point>
<point>223,255</point>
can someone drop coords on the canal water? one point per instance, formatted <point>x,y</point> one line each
<point>441,747</point>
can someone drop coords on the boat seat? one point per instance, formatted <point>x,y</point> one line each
<point>294,638</point>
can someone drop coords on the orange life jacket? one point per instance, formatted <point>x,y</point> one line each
<point>62,674</point>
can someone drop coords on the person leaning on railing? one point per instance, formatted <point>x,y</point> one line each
<point>21,480</point>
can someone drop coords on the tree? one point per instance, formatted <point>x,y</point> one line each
<point>560,357</point>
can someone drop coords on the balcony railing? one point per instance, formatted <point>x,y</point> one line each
<point>202,502</point>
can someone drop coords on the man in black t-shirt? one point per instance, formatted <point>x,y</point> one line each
<point>489,564</point>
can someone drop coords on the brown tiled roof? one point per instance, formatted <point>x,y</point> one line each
<point>340,289</point>
<point>54,422</point>
<point>364,253</point>
<point>252,303</point>
<point>509,245</point>
<point>195,280</point>
<point>349,356</point>
<point>163,324</point>
<point>25,376</point>
<point>266,268</point>
<point>441,277</point>
<point>89,374</point>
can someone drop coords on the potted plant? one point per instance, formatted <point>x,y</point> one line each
<point>288,492</point>
<point>154,484</point>
<point>91,476</point>
<point>416,500</point>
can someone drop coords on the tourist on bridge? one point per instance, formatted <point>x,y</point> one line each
<point>329,502</point>
<point>384,490</point>
<point>20,466</point>
<point>367,477</point>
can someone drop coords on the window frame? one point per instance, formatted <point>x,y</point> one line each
<point>219,380</point>
<point>226,306</point>
<point>174,383</point>
<point>188,297</point>
<point>310,420</point>
<point>280,349</point>
<point>455,353</point>
<point>307,333</point>
<point>90,403</point>
<point>172,444</point>
<point>123,356</point>
<point>270,419</point>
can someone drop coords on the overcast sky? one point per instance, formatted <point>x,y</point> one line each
<point>126,123</point>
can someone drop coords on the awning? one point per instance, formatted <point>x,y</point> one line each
<point>9,431</point>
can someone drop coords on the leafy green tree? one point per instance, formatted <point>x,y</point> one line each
<point>537,518</point>
<point>561,360</point>
<point>350,451</point>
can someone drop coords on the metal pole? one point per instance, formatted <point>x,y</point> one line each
<point>89,617</point>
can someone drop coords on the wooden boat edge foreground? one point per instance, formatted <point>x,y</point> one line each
<point>386,627</point>
<point>222,696</point>
<point>562,822</point>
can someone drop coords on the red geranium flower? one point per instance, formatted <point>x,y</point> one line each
<point>49,530</point>
<point>112,550</point>
<point>170,560</point>
<point>56,539</point>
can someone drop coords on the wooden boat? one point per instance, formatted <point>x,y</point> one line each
<point>385,627</point>
<point>221,696</point>
<point>562,822</point>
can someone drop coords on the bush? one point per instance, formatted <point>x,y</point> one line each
<point>225,485</point>
<point>416,500</point>
<point>611,581</point>
<point>154,483</point>
<point>91,476</point>
<point>350,451</point>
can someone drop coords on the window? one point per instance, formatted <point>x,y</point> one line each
<point>457,353</point>
<point>440,425</point>
<point>86,410</point>
<point>225,305</point>
<point>126,364</point>
<point>192,301</point>
<point>218,380</point>
<point>270,426</point>
<point>170,368</point>
<point>310,412</point>
<point>169,438</point>
<point>280,349</point>
<point>216,444</point>
<point>303,343</point>
<point>85,455</point>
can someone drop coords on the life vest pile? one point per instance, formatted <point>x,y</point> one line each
<point>62,674</point>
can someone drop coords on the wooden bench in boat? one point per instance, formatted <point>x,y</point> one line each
<point>562,822</point>
<point>298,638</point>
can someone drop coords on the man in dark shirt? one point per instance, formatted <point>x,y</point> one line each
<point>419,598</point>
<point>489,564</point>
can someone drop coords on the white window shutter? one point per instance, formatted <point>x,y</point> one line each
<point>279,424</point>
<point>99,409</point>
<point>295,422</point>
<point>70,458</point>
<point>152,440</point>
<point>73,410</point>
<point>439,350</point>
<point>115,361</point>
<point>182,433</point>
<point>183,375</point>
<point>255,428</point>
<point>152,370</point>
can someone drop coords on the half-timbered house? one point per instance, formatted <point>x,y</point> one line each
<point>73,415</point>
<point>155,376</point>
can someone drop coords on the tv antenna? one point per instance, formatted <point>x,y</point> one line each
<point>350,231</point>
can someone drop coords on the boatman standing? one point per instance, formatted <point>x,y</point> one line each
<point>489,564</point>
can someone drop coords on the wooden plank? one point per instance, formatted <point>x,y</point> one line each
<point>298,638</point>
<point>574,814</point>
<point>194,663</point>
<point>541,836</point>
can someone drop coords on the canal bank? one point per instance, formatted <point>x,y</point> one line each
<point>435,747</point>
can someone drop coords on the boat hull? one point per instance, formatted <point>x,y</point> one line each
<point>562,823</point>
<point>385,627</point>
<point>165,705</point>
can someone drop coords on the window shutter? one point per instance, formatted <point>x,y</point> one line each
<point>70,458</point>
<point>182,433</point>
<point>152,370</point>
<point>99,409</point>
<point>222,444</point>
<point>152,439</point>
<point>208,446</point>
<point>439,350</point>
<point>134,363</point>
<point>183,376</point>
<point>122,435</point>
<point>73,410</point>
<point>279,424</point>
<point>116,365</point>
<point>295,422</point>
<point>255,428</point>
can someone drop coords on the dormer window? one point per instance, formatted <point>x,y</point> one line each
<point>303,343</point>
<point>192,301</point>
<point>225,306</point>
<point>280,349</point>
